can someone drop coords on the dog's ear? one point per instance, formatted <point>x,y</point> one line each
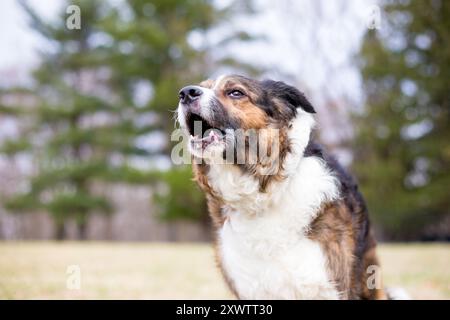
<point>288,93</point>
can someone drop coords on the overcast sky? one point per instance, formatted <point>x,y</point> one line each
<point>17,41</point>
<point>311,44</point>
<point>299,39</point>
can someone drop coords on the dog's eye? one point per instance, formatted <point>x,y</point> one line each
<point>235,94</point>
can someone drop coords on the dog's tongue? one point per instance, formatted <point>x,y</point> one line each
<point>204,142</point>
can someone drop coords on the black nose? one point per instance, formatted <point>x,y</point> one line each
<point>189,94</point>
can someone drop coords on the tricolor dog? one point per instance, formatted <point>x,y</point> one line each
<point>289,220</point>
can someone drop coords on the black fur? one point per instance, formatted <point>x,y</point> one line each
<point>293,97</point>
<point>351,196</point>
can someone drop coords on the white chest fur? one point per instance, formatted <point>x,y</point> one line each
<point>267,255</point>
<point>295,271</point>
<point>262,244</point>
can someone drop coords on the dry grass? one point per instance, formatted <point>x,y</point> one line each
<point>37,270</point>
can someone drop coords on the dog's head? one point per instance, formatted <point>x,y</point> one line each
<point>218,114</point>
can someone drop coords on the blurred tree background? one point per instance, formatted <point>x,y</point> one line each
<point>101,101</point>
<point>99,110</point>
<point>402,152</point>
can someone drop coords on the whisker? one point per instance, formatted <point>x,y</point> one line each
<point>175,118</point>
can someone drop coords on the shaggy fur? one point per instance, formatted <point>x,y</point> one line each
<point>300,232</point>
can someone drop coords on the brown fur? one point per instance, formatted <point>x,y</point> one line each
<point>252,117</point>
<point>337,232</point>
<point>342,227</point>
<point>249,115</point>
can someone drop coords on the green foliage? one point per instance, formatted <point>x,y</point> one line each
<point>151,46</point>
<point>179,196</point>
<point>402,148</point>
<point>84,120</point>
<point>76,204</point>
<point>70,154</point>
<point>14,146</point>
<point>23,202</point>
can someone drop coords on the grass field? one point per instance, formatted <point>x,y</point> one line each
<point>37,270</point>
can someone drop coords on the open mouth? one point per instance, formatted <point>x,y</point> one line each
<point>202,133</point>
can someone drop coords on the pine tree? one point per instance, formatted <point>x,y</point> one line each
<point>402,151</point>
<point>78,132</point>
<point>102,96</point>
<point>152,48</point>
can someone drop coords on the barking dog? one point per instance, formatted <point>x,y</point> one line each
<point>289,221</point>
